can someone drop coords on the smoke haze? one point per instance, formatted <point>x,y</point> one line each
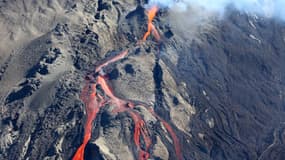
<point>268,8</point>
<point>191,18</point>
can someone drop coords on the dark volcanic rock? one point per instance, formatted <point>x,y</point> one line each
<point>223,94</point>
<point>241,78</point>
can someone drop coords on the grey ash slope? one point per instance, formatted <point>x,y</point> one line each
<point>237,78</point>
<point>223,95</point>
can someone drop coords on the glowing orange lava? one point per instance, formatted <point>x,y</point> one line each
<point>114,59</point>
<point>150,27</point>
<point>172,134</point>
<point>122,106</point>
<point>93,102</point>
<point>92,107</point>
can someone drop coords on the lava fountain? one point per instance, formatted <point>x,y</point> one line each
<point>151,13</point>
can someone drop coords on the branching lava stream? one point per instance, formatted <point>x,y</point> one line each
<point>94,101</point>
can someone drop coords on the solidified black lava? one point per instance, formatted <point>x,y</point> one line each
<point>114,74</point>
<point>168,34</point>
<point>92,152</point>
<point>103,5</point>
<point>105,119</point>
<point>175,101</point>
<point>23,92</point>
<point>138,12</point>
<point>129,69</point>
<point>158,79</point>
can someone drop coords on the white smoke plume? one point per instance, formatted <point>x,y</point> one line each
<point>190,18</point>
<point>268,8</point>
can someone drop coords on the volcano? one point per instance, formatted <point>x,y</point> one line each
<point>126,80</point>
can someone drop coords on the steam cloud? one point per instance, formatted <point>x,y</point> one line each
<point>191,18</point>
<point>268,8</point>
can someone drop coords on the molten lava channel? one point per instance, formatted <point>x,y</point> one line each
<point>94,101</point>
<point>150,27</point>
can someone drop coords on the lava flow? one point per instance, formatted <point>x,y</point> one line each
<point>172,134</point>
<point>94,101</point>
<point>150,27</point>
<point>92,107</point>
<point>114,59</point>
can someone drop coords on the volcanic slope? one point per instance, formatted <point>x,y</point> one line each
<point>223,93</point>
